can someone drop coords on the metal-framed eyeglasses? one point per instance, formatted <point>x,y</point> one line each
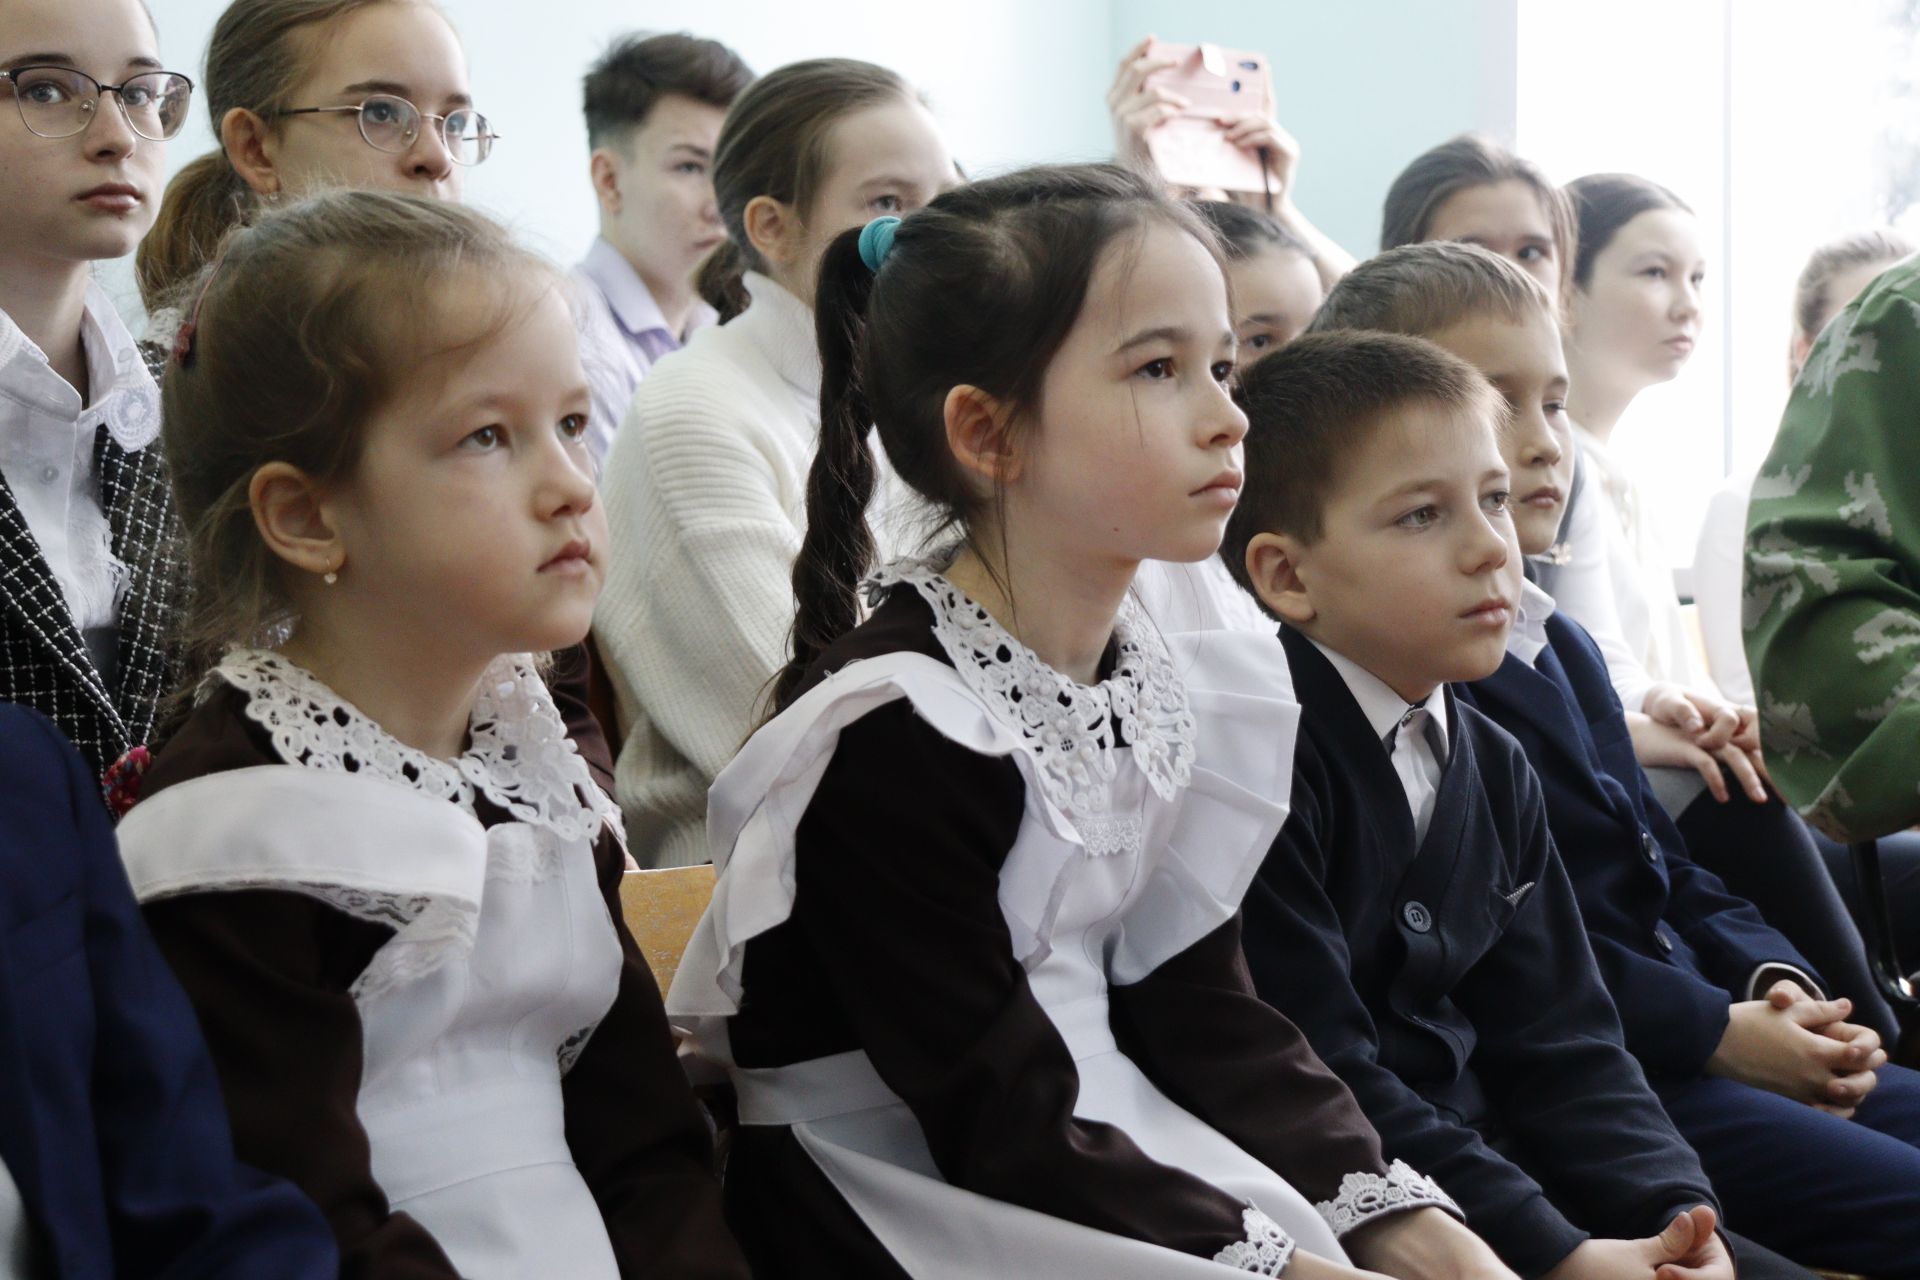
<point>392,124</point>
<point>60,102</point>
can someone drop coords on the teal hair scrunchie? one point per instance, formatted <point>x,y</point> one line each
<point>876,241</point>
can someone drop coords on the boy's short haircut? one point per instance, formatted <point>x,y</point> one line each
<point>1312,405</point>
<point>1422,289</point>
<point>630,78</point>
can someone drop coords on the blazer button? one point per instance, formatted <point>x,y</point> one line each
<point>1417,917</point>
<point>1649,848</point>
<point>1665,943</point>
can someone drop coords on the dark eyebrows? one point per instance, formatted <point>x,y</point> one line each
<point>698,153</point>
<point>43,60</point>
<point>71,63</point>
<point>394,88</point>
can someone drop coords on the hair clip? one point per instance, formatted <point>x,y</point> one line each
<point>876,241</point>
<point>183,339</point>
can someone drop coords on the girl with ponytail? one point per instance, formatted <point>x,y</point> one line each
<point>973,956</point>
<point>705,483</point>
<point>281,91</point>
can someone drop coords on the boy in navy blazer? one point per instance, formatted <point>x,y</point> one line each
<point>1412,917</point>
<point>115,1158</point>
<point>1758,1070</point>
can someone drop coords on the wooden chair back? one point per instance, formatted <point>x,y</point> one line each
<point>662,908</point>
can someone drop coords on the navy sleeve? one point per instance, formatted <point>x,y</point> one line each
<point>1559,1066</point>
<point>178,1202</point>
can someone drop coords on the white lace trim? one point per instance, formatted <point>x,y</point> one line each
<point>1067,727</point>
<point>428,930</point>
<point>1366,1196</point>
<point>1266,1250</point>
<point>519,755</point>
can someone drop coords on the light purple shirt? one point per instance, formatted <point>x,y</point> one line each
<point>622,336</point>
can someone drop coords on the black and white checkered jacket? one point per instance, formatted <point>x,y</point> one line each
<point>44,663</point>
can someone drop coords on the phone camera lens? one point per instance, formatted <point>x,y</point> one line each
<point>1236,86</point>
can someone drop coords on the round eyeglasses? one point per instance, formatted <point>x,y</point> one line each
<point>59,102</point>
<point>393,124</point>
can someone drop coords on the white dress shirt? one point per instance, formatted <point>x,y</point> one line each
<point>1417,746</point>
<point>47,437</point>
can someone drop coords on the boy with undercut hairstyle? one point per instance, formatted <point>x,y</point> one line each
<point>1412,917</point>
<point>654,105</point>
<point>1758,1070</point>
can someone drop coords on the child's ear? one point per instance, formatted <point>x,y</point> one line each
<point>250,144</point>
<point>1273,567</point>
<point>293,519</point>
<point>604,169</point>
<point>772,229</point>
<point>978,433</point>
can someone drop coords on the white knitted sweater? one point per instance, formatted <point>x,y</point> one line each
<point>705,489</point>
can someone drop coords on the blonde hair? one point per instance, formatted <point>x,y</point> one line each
<point>259,51</point>
<point>309,321</point>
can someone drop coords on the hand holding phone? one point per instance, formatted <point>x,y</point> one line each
<point>1213,107</point>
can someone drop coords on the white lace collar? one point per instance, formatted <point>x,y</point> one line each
<point>519,755</point>
<point>1068,727</point>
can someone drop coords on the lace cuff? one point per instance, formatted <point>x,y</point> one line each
<point>1366,1196</point>
<point>1266,1250</point>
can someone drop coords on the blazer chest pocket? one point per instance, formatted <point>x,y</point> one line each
<point>50,937</point>
<point>1503,903</point>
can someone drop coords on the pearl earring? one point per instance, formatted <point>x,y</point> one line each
<point>331,576</point>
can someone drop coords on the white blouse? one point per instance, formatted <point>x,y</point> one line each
<point>47,437</point>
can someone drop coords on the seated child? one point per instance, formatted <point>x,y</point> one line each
<point>1412,917</point>
<point>370,852</point>
<point>1729,1022</point>
<point>115,1159</point>
<point>973,960</point>
<point>1275,288</point>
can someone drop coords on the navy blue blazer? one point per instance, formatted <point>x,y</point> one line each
<point>111,1119</point>
<point>1450,984</point>
<point>1675,947</point>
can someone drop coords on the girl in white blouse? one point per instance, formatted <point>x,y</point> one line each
<point>86,107</point>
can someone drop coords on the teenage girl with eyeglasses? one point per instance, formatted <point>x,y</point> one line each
<point>309,94</point>
<point>86,108</point>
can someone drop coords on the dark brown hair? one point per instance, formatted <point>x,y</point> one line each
<point>774,143</point>
<point>1470,160</point>
<point>1605,202</point>
<point>1423,288</point>
<point>980,289</point>
<point>310,320</point>
<point>259,52</point>
<point>1810,300</point>
<point>1313,404</point>
<point>629,79</point>
<point>1245,231</point>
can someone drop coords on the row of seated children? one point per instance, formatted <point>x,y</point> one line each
<point>356,1002</point>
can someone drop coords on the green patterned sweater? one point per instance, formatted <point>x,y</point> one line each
<point>1832,600</point>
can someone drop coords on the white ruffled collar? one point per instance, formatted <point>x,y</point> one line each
<point>519,755</point>
<point>1067,727</point>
